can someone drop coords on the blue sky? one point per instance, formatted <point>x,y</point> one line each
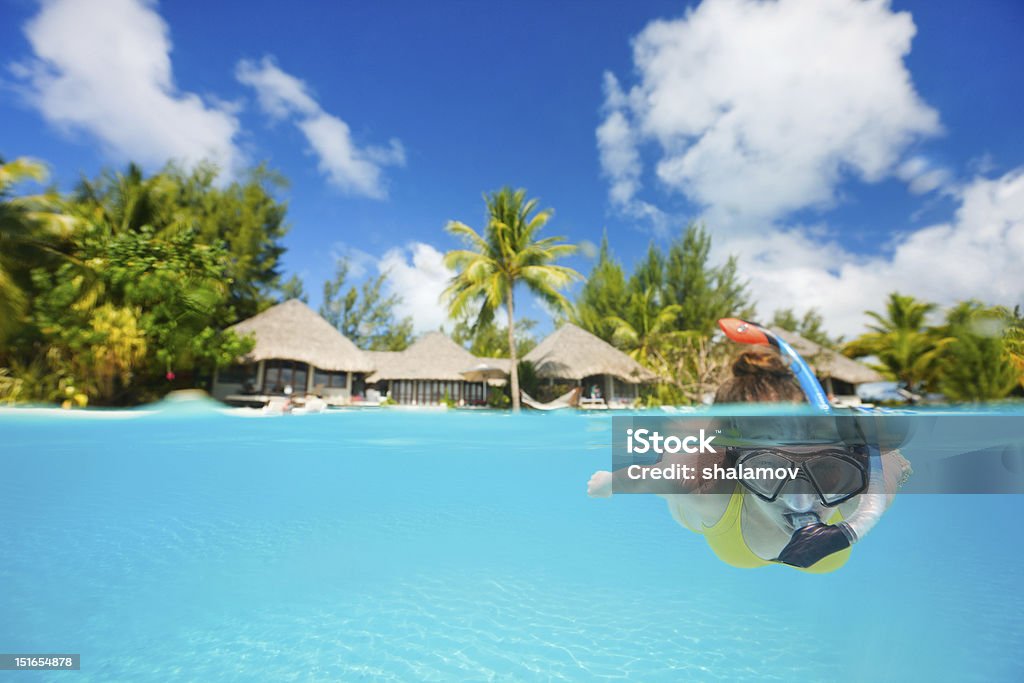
<point>841,148</point>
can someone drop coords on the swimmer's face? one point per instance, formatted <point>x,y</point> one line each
<point>797,496</point>
<point>786,504</point>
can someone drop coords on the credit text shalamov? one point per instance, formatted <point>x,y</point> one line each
<point>646,441</point>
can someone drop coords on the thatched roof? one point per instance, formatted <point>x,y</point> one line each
<point>432,356</point>
<point>380,359</point>
<point>572,353</point>
<point>293,331</point>
<point>828,363</point>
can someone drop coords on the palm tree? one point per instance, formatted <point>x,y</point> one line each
<point>979,365</point>
<point>29,228</point>
<point>1014,340</point>
<point>907,350</point>
<point>650,324</point>
<point>127,202</point>
<point>507,254</point>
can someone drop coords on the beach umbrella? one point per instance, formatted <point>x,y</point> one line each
<point>484,373</point>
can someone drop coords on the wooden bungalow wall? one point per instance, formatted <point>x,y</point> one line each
<point>430,392</point>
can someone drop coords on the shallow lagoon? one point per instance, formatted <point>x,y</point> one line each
<point>403,545</point>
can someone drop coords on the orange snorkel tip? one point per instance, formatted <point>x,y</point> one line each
<point>742,331</point>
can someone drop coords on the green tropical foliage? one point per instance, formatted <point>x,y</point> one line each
<point>650,272</point>
<point>529,380</point>
<point>128,201</point>
<point>690,368</point>
<point>490,340</point>
<point>10,387</point>
<point>1014,341</point>
<point>122,289</point>
<point>811,326</point>
<point>648,327</point>
<point>703,293</point>
<point>243,217</point>
<point>907,349</point>
<point>508,253</point>
<point>665,314</point>
<point>142,311</point>
<point>365,314</point>
<point>32,230</point>
<point>294,288</point>
<point>976,365</point>
<point>603,296</point>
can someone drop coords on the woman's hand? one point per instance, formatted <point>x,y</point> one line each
<point>600,485</point>
<point>812,543</point>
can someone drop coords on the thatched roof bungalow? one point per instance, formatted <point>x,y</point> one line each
<point>838,374</point>
<point>299,352</point>
<point>573,355</point>
<point>427,372</point>
<point>297,349</point>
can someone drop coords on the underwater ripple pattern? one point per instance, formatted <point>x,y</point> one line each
<point>395,547</point>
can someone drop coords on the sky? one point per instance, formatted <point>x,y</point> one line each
<point>840,149</point>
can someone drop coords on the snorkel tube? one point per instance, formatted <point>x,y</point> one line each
<point>872,501</point>
<point>812,537</point>
<point>746,332</point>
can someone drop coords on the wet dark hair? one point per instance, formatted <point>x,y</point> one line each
<point>759,375</point>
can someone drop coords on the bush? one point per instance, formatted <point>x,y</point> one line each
<point>10,387</point>
<point>497,397</point>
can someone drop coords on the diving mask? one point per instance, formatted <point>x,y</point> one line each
<point>836,475</point>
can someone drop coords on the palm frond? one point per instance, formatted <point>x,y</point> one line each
<point>468,234</point>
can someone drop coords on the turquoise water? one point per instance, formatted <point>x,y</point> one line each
<point>388,545</point>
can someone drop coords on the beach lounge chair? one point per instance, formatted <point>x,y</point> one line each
<point>595,403</point>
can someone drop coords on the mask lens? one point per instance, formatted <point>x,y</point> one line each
<point>836,478</point>
<point>756,467</point>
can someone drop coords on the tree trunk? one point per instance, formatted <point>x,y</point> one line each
<point>514,370</point>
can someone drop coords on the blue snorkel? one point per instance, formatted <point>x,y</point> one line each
<point>808,382</point>
<point>813,539</point>
<point>751,333</point>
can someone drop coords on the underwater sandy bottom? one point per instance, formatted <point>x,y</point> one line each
<point>403,546</point>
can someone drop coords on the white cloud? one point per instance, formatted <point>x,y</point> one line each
<point>976,254</point>
<point>104,67</point>
<point>922,176</point>
<point>418,275</point>
<point>353,169</point>
<point>359,262</point>
<point>754,109</point>
<point>761,108</point>
<point>279,94</point>
<point>617,145</point>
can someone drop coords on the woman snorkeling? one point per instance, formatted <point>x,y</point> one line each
<point>808,521</point>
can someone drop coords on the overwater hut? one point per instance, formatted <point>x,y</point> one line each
<point>429,371</point>
<point>296,351</point>
<point>839,375</point>
<point>607,375</point>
